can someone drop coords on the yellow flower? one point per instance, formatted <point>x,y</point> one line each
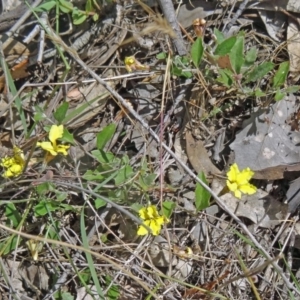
<point>56,132</point>
<point>13,165</point>
<point>132,64</point>
<point>152,219</point>
<point>238,182</point>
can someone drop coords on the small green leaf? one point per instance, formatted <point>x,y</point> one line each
<point>236,55</point>
<point>99,203</point>
<point>219,36</point>
<point>168,208</point>
<point>67,296</point>
<point>279,95</point>
<point>45,206</point>
<point>104,136</point>
<point>89,6</point>
<point>68,137</point>
<point>95,17</point>
<point>197,51</point>
<point>259,93</point>
<point>225,47</point>
<point>251,56</point>
<point>12,214</point>
<point>292,89</point>
<point>260,71</point>
<point>202,196</point>
<point>225,77</point>
<point>78,16</point>
<point>46,6</point>
<point>123,175</point>
<point>161,55</point>
<point>65,6</point>
<point>281,74</point>
<point>61,112</point>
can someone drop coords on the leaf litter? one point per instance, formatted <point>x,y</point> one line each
<point>232,99</point>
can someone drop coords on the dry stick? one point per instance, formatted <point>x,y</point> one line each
<point>242,7</point>
<point>23,18</point>
<point>116,95</point>
<point>169,13</point>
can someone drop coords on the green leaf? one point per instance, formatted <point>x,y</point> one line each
<point>100,203</point>
<point>251,56</point>
<point>44,187</point>
<point>161,55</point>
<point>103,157</point>
<point>65,6</point>
<point>67,296</point>
<point>279,95</point>
<point>89,6</point>
<point>12,214</point>
<point>259,71</point>
<point>225,47</point>
<point>113,293</point>
<point>93,175</point>
<point>225,77</point>
<point>13,243</point>
<point>123,175</point>
<point>202,196</point>
<point>292,89</point>
<point>61,112</point>
<point>236,55</point>
<point>168,208</point>
<point>197,51</point>
<point>104,136</point>
<point>67,137</point>
<point>95,17</point>
<point>281,74</point>
<point>78,16</point>
<point>259,93</point>
<point>46,6</point>
<point>219,36</point>
<point>45,206</point>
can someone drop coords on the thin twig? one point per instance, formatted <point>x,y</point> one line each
<point>242,7</point>
<point>169,13</point>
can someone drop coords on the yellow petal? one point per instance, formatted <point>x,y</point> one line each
<point>62,149</point>
<point>233,172</point>
<point>6,162</point>
<point>142,230</point>
<point>159,221</point>
<point>244,176</point>
<point>248,189</point>
<point>238,194</point>
<point>151,212</point>
<point>48,147</point>
<point>155,227</point>
<point>56,132</point>
<point>232,186</point>
<point>143,213</point>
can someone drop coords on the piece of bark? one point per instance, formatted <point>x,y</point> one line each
<point>169,13</point>
<point>198,156</point>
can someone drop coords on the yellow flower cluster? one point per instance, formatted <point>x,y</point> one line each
<point>13,165</point>
<point>238,181</point>
<point>132,64</point>
<point>56,132</point>
<point>152,219</point>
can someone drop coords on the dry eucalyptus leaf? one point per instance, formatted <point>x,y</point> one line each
<point>293,46</point>
<point>266,213</point>
<point>198,156</point>
<point>266,140</point>
<point>293,195</point>
<point>162,256</point>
